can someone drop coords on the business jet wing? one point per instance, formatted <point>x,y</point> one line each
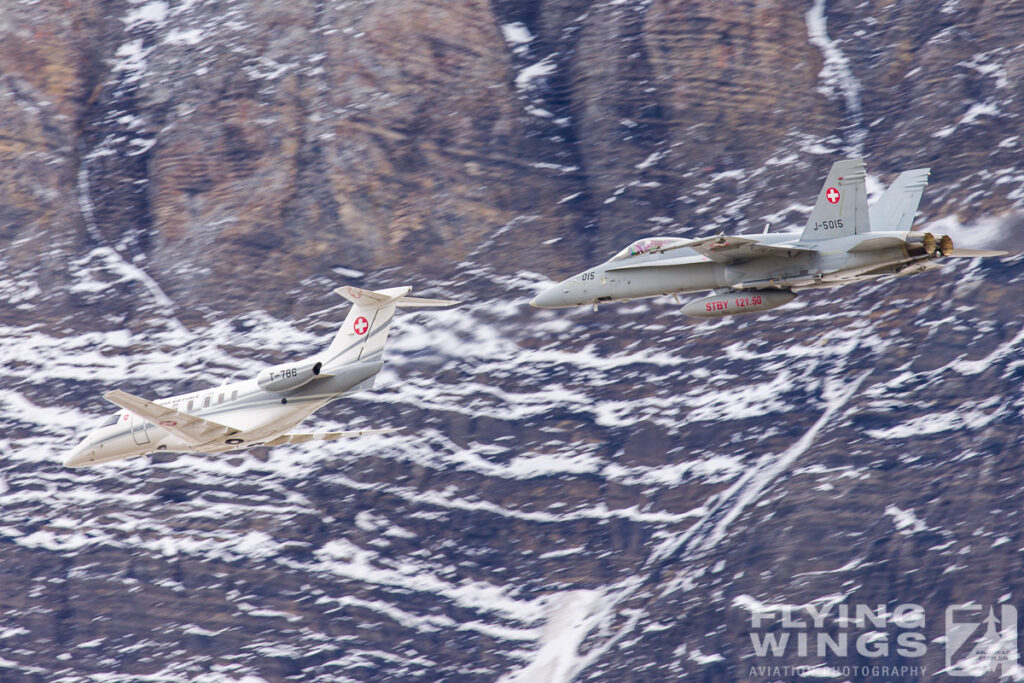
<point>195,431</point>
<point>324,436</point>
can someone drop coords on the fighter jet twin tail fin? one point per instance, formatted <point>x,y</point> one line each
<point>842,206</point>
<point>895,209</point>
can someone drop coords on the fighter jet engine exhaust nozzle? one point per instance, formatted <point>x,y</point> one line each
<point>288,376</point>
<point>920,244</point>
<point>945,245</point>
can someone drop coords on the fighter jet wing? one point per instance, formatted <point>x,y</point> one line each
<point>324,436</point>
<point>195,431</point>
<point>874,243</point>
<point>721,249</point>
<point>725,249</point>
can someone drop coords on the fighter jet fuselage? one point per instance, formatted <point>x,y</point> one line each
<point>680,269</point>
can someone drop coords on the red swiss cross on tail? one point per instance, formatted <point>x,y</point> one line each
<point>841,206</point>
<point>360,326</point>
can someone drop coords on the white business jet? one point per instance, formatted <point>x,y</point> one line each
<point>259,411</point>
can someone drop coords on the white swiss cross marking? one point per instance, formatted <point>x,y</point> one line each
<point>832,195</point>
<point>360,325</point>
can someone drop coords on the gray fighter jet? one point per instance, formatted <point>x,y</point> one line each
<point>844,241</point>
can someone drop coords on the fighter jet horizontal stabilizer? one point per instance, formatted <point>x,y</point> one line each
<point>976,253</point>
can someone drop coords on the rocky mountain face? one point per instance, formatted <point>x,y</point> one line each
<point>609,495</point>
<point>214,141</point>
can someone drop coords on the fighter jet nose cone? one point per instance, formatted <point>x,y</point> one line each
<point>549,298</point>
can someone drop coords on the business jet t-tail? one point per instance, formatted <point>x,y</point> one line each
<point>262,410</point>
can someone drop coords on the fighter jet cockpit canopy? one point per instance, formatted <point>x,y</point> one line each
<point>649,245</point>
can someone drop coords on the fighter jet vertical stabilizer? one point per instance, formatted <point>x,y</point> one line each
<point>842,206</point>
<point>896,208</point>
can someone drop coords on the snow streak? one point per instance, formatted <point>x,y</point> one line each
<point>837,75</point>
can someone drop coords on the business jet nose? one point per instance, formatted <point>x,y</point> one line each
<point>79,456</point>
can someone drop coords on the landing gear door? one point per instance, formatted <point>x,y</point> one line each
<point>140,430</point>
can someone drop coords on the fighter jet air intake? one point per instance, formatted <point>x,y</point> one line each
<point>262,410</point>
<point>844,241</point>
